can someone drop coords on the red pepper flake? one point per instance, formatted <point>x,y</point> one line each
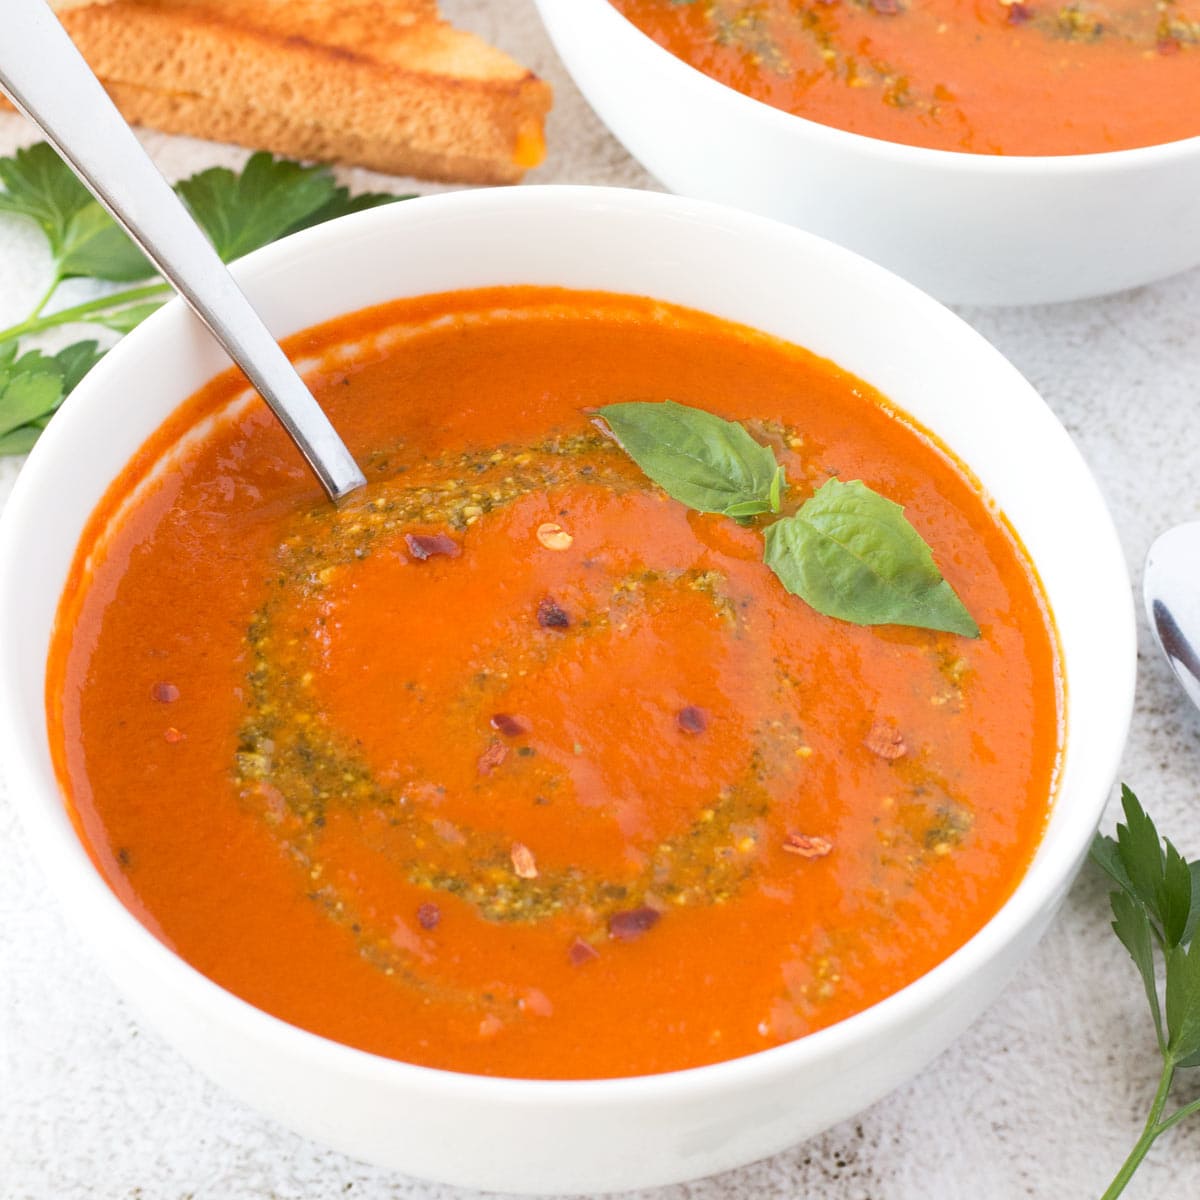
<point>625,926</point>
<point>1018,13</point>
<point>508,725</point>
<point>550,616</point>
<point>692,719</point>
<point>1169,45</point>
<point>524,864</point>
<point>807,847</point>
<point>425,545</point>
<point>173,735</point>
<point>886,8</point>
<point>886,741</point>
<point>580,952</point>
<point>491,758</point>
<point>164,693</point>
<point>428,916</point>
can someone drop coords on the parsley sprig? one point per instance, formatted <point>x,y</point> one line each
<point>1156,910</point>
<point>268,199</point>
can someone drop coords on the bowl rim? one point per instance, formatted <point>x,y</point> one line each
<point>64,859</point>
<point>903,154</point>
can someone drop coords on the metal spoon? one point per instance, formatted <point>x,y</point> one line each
<point>1171,585</point>
<point>48,80</point>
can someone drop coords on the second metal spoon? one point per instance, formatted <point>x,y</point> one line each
<point>47,78</point>
<point>1171,585</point>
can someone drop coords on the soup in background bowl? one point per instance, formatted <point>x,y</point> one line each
<point>385,854</point>
<point>1060,213</point>
<point>1007,77</point>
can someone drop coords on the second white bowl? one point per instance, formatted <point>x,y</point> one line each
<point>969,228</point>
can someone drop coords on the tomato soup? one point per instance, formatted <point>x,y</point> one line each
<point>984,76</point>
<point>511,763</point>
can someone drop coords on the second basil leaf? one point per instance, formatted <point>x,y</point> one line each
<point>851,554</point>
<point>709,464</point>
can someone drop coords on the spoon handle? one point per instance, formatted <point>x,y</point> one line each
<point>48,79</point>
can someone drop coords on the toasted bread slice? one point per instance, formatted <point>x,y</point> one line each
<point>384,84</point>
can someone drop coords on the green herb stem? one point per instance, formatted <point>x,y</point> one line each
<point>45,299</point>
<point>1180,1115</point>
<point>82,312</point>
<point>1151,1131</point>
<point>1164,1088</point>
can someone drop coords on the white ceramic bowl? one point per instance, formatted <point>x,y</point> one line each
<point>969,228</point>
<point>537,1136</point>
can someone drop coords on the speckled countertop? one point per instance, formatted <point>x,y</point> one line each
<point>1042,1097</point>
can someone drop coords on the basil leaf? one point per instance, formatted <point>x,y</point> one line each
<point>776,490</point>
<point>851,554</point>
<point>709,464</point>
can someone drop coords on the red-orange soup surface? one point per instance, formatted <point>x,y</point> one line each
<point>983,76</point>
<point>512,764</point>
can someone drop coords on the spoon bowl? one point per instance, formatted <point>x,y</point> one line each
<point>1171,586</point>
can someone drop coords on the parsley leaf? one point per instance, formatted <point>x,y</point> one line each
<point>39,185</point>
<point>1106,854</point>
<point>76,361</point>
<point>1183,1003</point>
<point>1154,873</point>
<point>84,239</point>
<point>1193,918</point>
<point>1156,906</point>
<point>95,245</point>
<point>31,388</point>
<point>271,197</point>
<point>342,204</point>
<point>22,440</point>
<point>1132,926</point>
<point>130,317</point>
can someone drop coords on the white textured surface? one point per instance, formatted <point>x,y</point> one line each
<point>1042,1098</point>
